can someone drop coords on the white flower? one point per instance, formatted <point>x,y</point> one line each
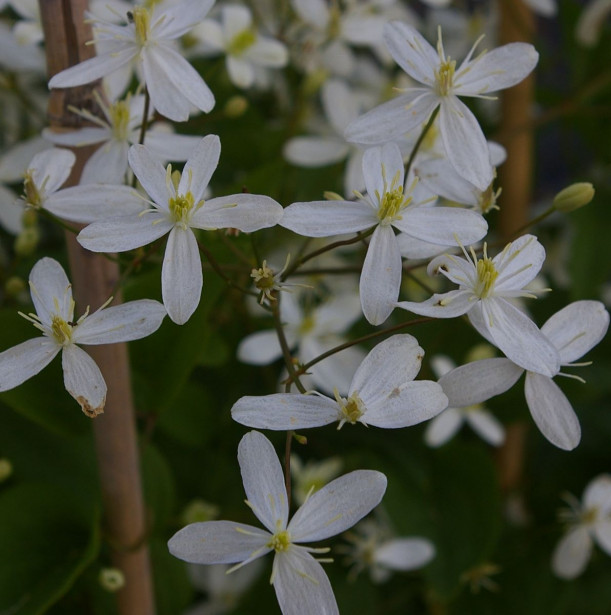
<point>178,206</point>
<point>148,39</point>
<point>444,426</point>
<point>47,172</point>
<point>589,523</point>
<point>245,48</point>
<point>313,332</point>
<point>485,287</point>
<point>388,204</point>
<point>462,136</point>
<point>382,393</point>
<point>115,134</point>
<point>573,331</point>
<point>301,585</point>
<point>52,298</point>
<point>592,21</point>
<point>374,547</point>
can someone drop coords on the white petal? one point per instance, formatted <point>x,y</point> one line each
<point>94,68</point>
<point>124,232</point>
<point>486,426</point>
<point>173,83</point>
<point>260,348</point>
<point>598,494</point>
<point>263,480</point>
<point>445,305</point>
<point>456,269</point>
<point>181,17</point>
<point>315,151</point>
<point>302,586</point>
<point>25,360</point>
<point>241,72</point>
<point>519,263</point>
<point>409,404</point>
<point>518,337</point>
<point>353,174</point>
<point>496,70</point>
<point>572,554</point>
<point>337,506</point>
<point>169,146</point>
<point>552,411</point>
<point>577,328</point>
<point>478,381</point>
<point>52,168</point>
<point>246,212</point>
<point>15,160</point>
<point>447,226</point>
<point>405,553</point>
<point>393,119</point>
<point>327,218</point>
<point>315,12</point>
<point>464,142</point>
<point>388,365</point>
<point>51,291</point>
<point>268,52</point>
<point>86,204</point>
<point>443,427</point>
<point>121,323</point>
<point>108,164</point>
<point>382,168</point>
<point>78,138</point>
<point>381,276</point>
<point>602,534</point>
<point>199,168</point>
<point>181,275</point>
<point>218,542</point>
<point>11,211</point>
<point>283,412</point>
<point>412,52</point>
<point>413,248</point>
<point>151,174</point>
<point>339,103</point>
<point>83,380</point>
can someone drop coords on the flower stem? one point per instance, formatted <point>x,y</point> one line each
<point>421,138</point>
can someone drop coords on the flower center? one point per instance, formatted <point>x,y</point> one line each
<point>352,409</point>
<point>241,42</point>
<point>589,515</point>
<point>486,277</point>
<point>61,330</point>
<point>392,201</point>
<point>30,190</point>
<point>119,119</point>
<point>141,18</point>
<point>181,206</point>
<point>445,77</point>
<point>280,541</point>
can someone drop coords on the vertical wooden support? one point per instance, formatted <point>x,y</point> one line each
<point>94,277</point>
<point>516,24</point>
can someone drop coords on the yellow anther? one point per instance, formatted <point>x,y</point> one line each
<point>280,541</point>
<point>62,331</point>
<point>486,276</point>
<point>119,119</point>
<point>445,77</point>
<point>181,207</point>
<point>352,409</point>
<point>392,201</point>
<point>142,23</point>
<point>30,190</point>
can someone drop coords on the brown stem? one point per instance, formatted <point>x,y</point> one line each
<point>516,24</point>
<point>94,277</point>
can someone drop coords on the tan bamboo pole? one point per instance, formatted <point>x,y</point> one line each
<point>93,277</point>
<point>516,24</point>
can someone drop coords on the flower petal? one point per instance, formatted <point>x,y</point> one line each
<point>443,427</point>
<point>339,103</point>
<point>83,380</point>
<point>283,412</point>
<point>260,348</point>
<point>577,328</point>
<point>382,168</point>
<point>107,165</point>
<point>552,411</point>
<point>572,554</point>
<point>121,323</point>
<point>25,360</point>
<point>151,174</point>
<point>218,542</point>
<point>315,151</point>
<point>445,305</point>
<point>404,553</point>
<point>486,426</point>
<point>302,586</point>
<point>181,275</point>
<point>246,212</point>
<point>263,480</point>
<point>519,263</point>
<point>51,290</point>
<point>381,276</point>
<point>337,506</point>
<point>199,168</point>
<point>598,494</point>
<point>51,168</point>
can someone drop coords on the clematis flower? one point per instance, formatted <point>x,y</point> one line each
<point>178,206</point>
<point>301,585</point>
<point>52,298</point>
<point>382,393</point>
<point>444,82</point>
<point>148,40</point>
<point>485,285</point>
<point>572,331</point>
<point>589,523</point>
<point>388,204</point>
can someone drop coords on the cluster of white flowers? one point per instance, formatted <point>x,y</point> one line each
<point>403,155</point>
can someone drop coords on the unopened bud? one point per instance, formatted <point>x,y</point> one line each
<point>301,439</point>
<point>27,241</point>
<point>6,469</point>
<point>111,579</point>
<point>333,196</point>
<point>30,217</point>
<point>479,352</point>
<point>236,106</point>
<point>574,196</point>
<point>314,81</point>
<point>198,511</point>
<point>14,286</point>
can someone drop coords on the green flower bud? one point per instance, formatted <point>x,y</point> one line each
<point>199,510</point>
<point>14,286</point>
<point>111,579</point>
<point>27,241</point>
<point>574,196</point>
<point>236,106</point>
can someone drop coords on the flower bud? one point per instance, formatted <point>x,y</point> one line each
<point>14,286</point>
<point>111,579</point>
<point>574,196</point>
<point>236,106</point>
<point>27,241</point>
<point>199,510</point>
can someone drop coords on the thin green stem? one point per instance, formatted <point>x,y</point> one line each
<point>145,117</point>
<point>421,138</point>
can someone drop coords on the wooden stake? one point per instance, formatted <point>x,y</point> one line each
<point>93,277</point>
